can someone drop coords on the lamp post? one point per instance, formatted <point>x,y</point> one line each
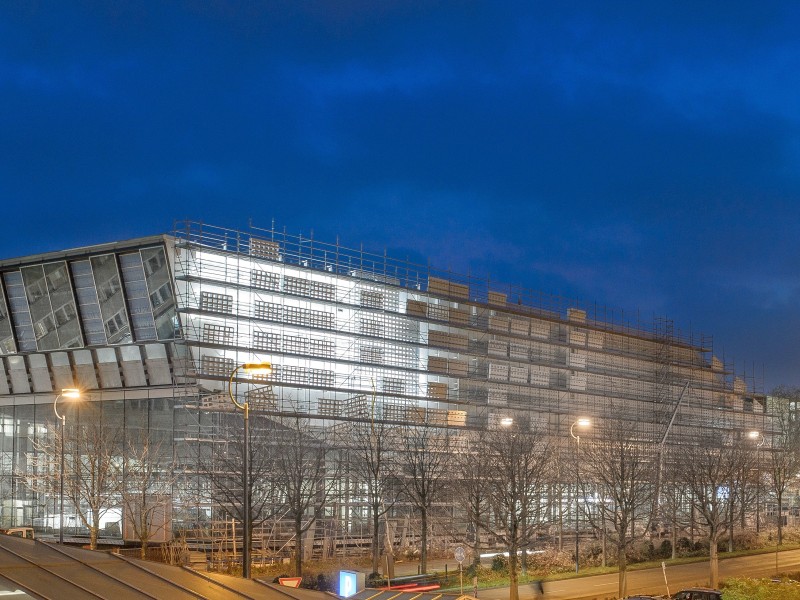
<point>582,423</point>
<point>72,394</point>
<point>263,368</point>
<point>757,435</point>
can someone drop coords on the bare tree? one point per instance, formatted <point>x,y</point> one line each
<point>223,467</point>
<point>673,499</point>
<point>424,460</point>
<point>742,493</point>
<point>306,475</point>
<point>784,447</point>
<point>147,488</point>
<point>707,469</point>
<point>519,461</point>
<point>623,469</point>
<point>372,451</point>
<point>472,487</point>
<point>92,466</point>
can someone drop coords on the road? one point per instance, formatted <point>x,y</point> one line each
<point>602,587</point>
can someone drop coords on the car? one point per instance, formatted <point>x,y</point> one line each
<point>698,594</point>
<point>640,597</point>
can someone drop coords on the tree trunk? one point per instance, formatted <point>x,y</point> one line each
<point>674,529</point>
<point>143,550</point>
<point>476,557</point>
<point>622,562</point>
<point>513,579</point>
<point>560,520</point>
<point>423,554</point>
<point>780,517</point>
<point>713,556</point>
<point>730,523</point>
<point>376,548</point>
<point>95,529</point>
<point>298,547</point>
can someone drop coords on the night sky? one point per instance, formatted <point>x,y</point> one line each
<point>641,155</point>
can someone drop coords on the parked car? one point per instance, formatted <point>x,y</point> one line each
<point>640,597</point>
<point>698,594</point>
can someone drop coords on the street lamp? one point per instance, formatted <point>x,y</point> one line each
<point>72,394</point>
<point>263,368</point>
<point>756,435</point>
<point>582,423</point>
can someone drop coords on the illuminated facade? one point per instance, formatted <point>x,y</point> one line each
<point>152,328</point>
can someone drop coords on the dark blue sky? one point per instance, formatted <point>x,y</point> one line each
<point>642,155</point>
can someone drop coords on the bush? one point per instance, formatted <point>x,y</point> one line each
<point>500,564</point>
<point>746,540</point>
<point>684,546</point>
<point>551,560</point>
<point>665,549</point>
<point>641,552</point>
<point>760,589</point>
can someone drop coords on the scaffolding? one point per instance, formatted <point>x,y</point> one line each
<point>355,336</point>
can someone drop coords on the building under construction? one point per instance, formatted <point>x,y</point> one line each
<point>153,329</point>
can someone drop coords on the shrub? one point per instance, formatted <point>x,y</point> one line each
<point>746,540</point>
<point>684,546</point>
<point>665,549</point>
<point>760,589</point>
<point>551,560</point>
<point>500,564</point>
<point>641,551</point>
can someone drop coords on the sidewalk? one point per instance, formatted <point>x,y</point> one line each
<point>411,567</point>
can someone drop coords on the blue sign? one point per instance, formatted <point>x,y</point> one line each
<point>348,583</point>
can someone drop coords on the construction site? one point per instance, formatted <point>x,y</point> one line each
<point>354,339</point>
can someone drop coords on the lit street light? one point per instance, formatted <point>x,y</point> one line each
<point>263,368</point>
<point>582,423</point>
<point>72,394</point>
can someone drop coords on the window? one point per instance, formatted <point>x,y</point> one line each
<point>371,299</point>
<point>217,365</point>
<point>371,327</point>
<point>35,290</point>
<point>320,347</point>
<point>264,249</point>
<point>264,280</point>
<point>153,264</point>
<point>109,288</point>
<point>216,302</point>
<point>43,327</point>
<point>161,295</point>
<point>392,385</point>
<point>265,340</point>
<point>267,310</point>
<point>371,354</point>
<point>217,334</point>
<point>295,344</point>
<point>322,291</point>
<point>321,377</point>
<point>438,312</point>
<point>65,314</point>
<point>115,324</point>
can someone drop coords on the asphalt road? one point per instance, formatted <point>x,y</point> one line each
<point>603,587</point>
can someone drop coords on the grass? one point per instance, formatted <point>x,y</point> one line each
<point>497,579</point>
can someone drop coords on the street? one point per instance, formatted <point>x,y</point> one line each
<point>602,587</point>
